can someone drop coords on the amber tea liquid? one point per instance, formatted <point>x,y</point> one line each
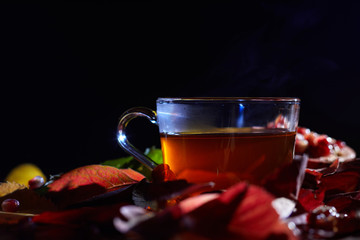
<point>229,155</point>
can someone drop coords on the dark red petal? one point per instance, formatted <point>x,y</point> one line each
<point>162,173</point>
<point>311,199</point>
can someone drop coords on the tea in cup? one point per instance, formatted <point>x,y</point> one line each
<point>223,140</point>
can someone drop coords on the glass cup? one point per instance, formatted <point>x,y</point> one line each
<point>223,140</point>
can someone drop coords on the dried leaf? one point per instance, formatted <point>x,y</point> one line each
<point>82,185</point>
<point>104,176</point>
<point>66,198</point>
<point>9,187</point>
<point>79,216</point>
<point>30,201</point>
<point>79,223</point>
<point>120,195</point>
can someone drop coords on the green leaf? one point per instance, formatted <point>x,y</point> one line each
<point>155,154</point>
<point>130,162</point>
<point>119,162</point>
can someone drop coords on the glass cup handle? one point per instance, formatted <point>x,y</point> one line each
<point>122,139</point>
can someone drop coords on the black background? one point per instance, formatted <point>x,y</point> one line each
<point>69,70</point>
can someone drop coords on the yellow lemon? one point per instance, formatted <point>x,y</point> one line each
<point>23,173</point>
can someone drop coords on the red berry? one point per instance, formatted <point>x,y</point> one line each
<point>303,131</point>
<point>301,144</point>
<point>323,140</point>
<point>10,205</point>
<point>322,148</point>
<point>312,138</point>
<point>36,182</point>
<point>281,122</point>
<point>340,144</point>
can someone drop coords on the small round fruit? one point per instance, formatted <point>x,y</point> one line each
<point>36,182</point>
<point>10,205</point>
<point>301,144</point>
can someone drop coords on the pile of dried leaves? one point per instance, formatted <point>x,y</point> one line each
<point>104,202</point>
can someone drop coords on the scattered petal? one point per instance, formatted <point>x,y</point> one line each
<point>283,206</point>
<point>131,216</point>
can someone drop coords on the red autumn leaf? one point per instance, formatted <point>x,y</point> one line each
<point>104,176</point>
<point>30,201</point>
<point>79,223</point>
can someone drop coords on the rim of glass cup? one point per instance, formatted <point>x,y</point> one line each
<point>162,100</point>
